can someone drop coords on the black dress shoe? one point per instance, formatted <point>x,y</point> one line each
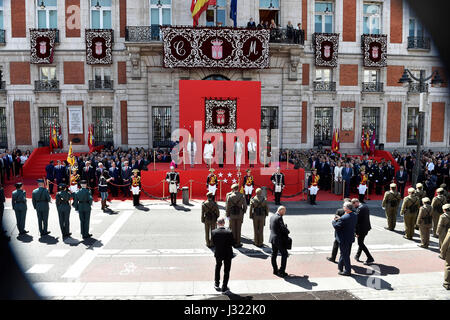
<point>47,233</point>
<point>282,274</point>
<point>369,262</point>
<point>217,287</point>
<point>275,272</point>
<point>342,273</point>
<point>331,259</point>
<point>357,259</point>
<point>225,289</point>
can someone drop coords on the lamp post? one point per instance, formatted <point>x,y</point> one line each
<point>406,80</point>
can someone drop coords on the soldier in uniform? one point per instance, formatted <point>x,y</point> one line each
<point>41,198</point>
<point>173,179</point>
<point>259,210</point>
<point>362,184</point>
<point>210,214</point>
<point>211,183</point>
<point>420,193</point>
<point>444,223</point>
<point>235,207</point>
<point>313,183</point>
<point>74,177</point>
<point>409,211</point>
<point>248,184</point>
<point>390,204</point>
<point>446,193</point>
<point>437,204</point>
<point>278,182</point>
<point>19,205</point>
<point>82,202</point>
<point>445,255</point>
<point>63,206</point>
<point>136,187</point>
<point>424,220</point>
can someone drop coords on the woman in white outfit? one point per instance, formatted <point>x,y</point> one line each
<point>338,178</point>
<point>208,152</point>
<point>238,152</point>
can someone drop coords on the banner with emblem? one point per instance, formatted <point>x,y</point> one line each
<point>212,47</point>
<point>374,47</point>
<point>42,45</point>
<point>99,46</point>
<point>220,115</point>
<point>326,47</point>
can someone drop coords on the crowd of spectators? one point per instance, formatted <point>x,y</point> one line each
<point>11,164</point>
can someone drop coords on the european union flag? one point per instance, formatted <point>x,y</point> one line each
<point>233,12</point>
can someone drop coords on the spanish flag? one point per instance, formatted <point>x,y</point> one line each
<point>197,8</point>
<point>91,137</point>
<point>53,138</point>
<point>70,158</point>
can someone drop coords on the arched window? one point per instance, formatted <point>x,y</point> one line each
<point>215,77</point>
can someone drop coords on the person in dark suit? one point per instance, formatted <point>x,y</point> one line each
<point>251,24</point>
<point>278,238</point>
<point>362,229</point>
<point>401,177</point>
<point>347,174</point>
<point>223,241</point>
<point>88,174</point>
<point>345,235</point>
<point>114,173</point>
<point>339,213</point>
<point>126,174</point>
<point>50,175</point>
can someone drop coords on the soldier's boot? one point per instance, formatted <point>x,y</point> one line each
<point>311,201</point>
<point>135,200</point>
<point>361,198</point>
<point>314,199</point>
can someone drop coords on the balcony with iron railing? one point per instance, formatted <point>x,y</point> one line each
<point>46,86</point>
<point>101,85</point>
<point>372,86</point>
<point>415,87</point>
<point>46,30</point>
<point>420,43</point>
<point>2,37</point>
<point>324,86</point>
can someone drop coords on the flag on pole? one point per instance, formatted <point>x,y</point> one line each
<point>367,141</point>
<point>197,8</point>
<point>372,143</point>
<point>53,138</point>
<point>335,143</point>
<point>60,139</point>
<point>233,12</point>
<point>91,137</point>
<point>70,157</point>
<point>363,142</point>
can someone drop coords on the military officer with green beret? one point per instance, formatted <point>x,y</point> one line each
<point>390,204</point>
<point>210,214</point>
<point>41,198</point>
<point>444,223</point>
<point>235,208</point>
<point>409,211</point>
<point>19,205</point>
<point>437,204</point>
<point>82,202</point>
<point>63,206</point>
<point>259,210</point>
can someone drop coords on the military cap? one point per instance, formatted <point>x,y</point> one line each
<point>426,200</point>
<point>40,180</point>
<point>419,185</point>
<point>19,184</point>
<point>209,194</point>
<point>62,185</point>
<point>440,190</point>
<point>135,171</point>
<point>83,182</point>
<point>234,186</point>
<point>393,185</point>
<point>443,186</point>
<point>411,190</point>
<point>446,206</point>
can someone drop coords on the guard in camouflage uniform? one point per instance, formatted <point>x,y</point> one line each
<point>82,202</point>
<point>409,211</point>
<point>390,204</point>
<point>235,207</point>
<point>63,206</point>
<point>19,205</point>
<point>259,210</point>
<point>424,220</point>
<point>437,204</point>
<point>445,254</point>
<point>41,198</point>
<point>444,223</point>
<point>210,214</point>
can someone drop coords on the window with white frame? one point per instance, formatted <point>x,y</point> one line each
<point>47,14</point>
<point>101,14</point>
<point>216,14</point>
<point>323,17</point>
<point>160,12</point>
<point>47,73</point>
<point>371,75</point>
<point>323,75</point>
<point>102,74</point>
<point>372,18</point>
<point>415,27</point>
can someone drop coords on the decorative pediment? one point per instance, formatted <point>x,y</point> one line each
<point>374,49</point>
<point>99,46</point>
<point>326,46</point>
<point>42,45</point>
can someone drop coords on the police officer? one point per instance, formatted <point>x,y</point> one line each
<point>424,220</point>
<point>445,255</point>
<point>136,187</point>
<point>19,205</point>
<point>444,223</point>
<point>437,204</point>
<point>390,204</point>
<point>210,214</point>
<point>211,183</point>
<point>249,184</point>
<point>41,198</point>
<point>235,207</point>
<point>278,183</point>
<point>63,206</point>
<point>173,179</point>
<point>82,202</point>
<point>409,211</point>
<point>259,210</point>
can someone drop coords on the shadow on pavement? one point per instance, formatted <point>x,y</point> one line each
<point>234,296</point>
<point>92,243</point>
<point>180,208</point>
<point>372,282</point>
<point>142,208</point>
<point>379,269</point>
<point>110,211</point>
<point>71,241</point>
<point>300,281</point>
<point>48,240</point>
<point>25,238</point>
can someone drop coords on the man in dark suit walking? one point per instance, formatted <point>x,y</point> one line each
<point>362,229</point>
<point>345,235</point>
<point>278,238</point>
<point>339,213</point>
<point>401,177</point>
<point>223,240</point>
